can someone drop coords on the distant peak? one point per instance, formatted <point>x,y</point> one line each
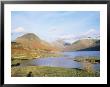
<point>30,36</point>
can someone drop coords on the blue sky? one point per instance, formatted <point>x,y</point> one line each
<point>53,25</point>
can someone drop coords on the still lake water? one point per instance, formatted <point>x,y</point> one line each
<point>67,61</point>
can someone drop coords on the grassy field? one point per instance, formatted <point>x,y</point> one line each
<point>44,71</point>
<point>17,62</point>
<point>37,55</point>
<point>90,59</point>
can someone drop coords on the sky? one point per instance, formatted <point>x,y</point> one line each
<point>56,25</point>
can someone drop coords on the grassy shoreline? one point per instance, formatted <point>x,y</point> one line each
<point>44,71</point>
<point>16,61</point>
<point>90,59</point>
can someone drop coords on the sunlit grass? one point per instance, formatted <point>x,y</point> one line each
<point>37,55</point>
<point>44,71</point>
<point>90,59</point>
<point>87,62</point>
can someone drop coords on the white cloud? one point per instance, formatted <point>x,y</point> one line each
<point>66,37</point>
<point>91,31</point>
<point>19,30</point>
<point>71,37</point>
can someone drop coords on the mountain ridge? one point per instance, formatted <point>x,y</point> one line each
<point>84,45</point>
<point>32,41</point>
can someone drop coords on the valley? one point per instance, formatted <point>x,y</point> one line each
<point>29,53</point>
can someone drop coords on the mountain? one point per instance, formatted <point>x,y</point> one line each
<point>18,49</point>
<point>29,46</point>
<point>60,44</point>
<point>33,42</point>
<point>84,44</point>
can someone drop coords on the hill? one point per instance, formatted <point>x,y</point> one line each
<point>33,42</point>
<point>84,45</point>
<point>29,45</point>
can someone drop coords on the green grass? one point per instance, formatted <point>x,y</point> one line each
<point>90,59</point>
<point>34,56</point>
<point>44,71</point>
<point>45,55</point>
<point>17,62</point>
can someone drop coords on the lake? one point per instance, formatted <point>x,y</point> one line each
<point>67,61</point>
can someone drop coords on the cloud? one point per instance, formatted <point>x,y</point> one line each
<point>19,30</point>
<point>91,31</point>
<point>71,37</point>
<point>66,37</point>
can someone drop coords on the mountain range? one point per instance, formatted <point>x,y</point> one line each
<point>84,45</point>
<point>30,42</point>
